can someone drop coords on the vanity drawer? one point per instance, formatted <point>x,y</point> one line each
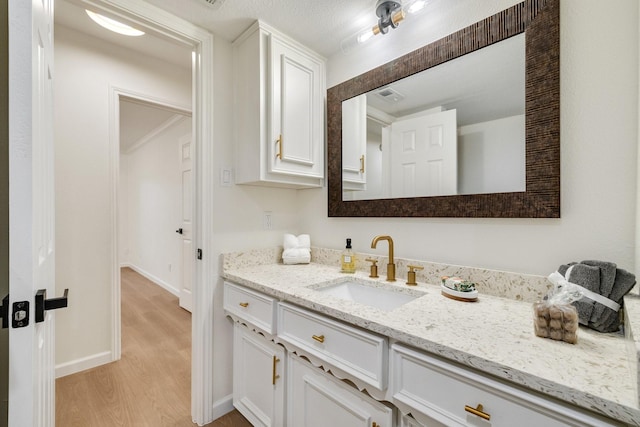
<point>256,308</point>
<point>362,354</point>
<point>446,394</point>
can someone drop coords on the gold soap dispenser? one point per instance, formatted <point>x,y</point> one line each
<point>348,259</point>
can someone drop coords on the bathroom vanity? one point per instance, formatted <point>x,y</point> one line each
<point>306,355</point>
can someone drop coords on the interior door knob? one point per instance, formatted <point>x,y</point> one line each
<point>179,231</point>
<point>42,303</point>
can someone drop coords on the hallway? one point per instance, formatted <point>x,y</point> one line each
<point>150,385</point>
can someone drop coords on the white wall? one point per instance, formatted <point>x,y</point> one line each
<point>491,156</point>
<point>151,179</point>
<point>86,69</point>
<point>238,215</point>
<point>599,126</point>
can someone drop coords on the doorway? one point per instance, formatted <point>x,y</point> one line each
<point>155,203</point>
<point>202,65</point>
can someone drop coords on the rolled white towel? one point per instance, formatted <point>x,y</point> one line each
<point>290,241</point>
<point>296,256</point>
<point>304,241</point>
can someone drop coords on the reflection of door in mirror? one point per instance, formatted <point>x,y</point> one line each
<point>354,141</point>
<point>423,155</point>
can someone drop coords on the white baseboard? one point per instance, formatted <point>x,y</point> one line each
<point>154,279</point>
<point>222,407</point>
<point>79,365</point>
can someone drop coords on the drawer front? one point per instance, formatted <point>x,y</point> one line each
<point>359,353</point>
<point>448,394</point>
<point>253,307</point>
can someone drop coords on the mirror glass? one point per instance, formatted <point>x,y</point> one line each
<point>458,128</point>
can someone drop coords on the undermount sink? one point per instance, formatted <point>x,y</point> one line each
<point>384,297</point>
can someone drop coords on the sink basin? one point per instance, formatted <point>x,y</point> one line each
<point>383,297</point>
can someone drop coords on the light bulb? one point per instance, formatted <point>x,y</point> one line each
<point>113,25</point>
<point>365,35</point>
<point>416,6</point>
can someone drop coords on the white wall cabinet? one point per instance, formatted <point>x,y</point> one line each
<point>317,399</point>
<point>279,110</point>
<point>258,378</point>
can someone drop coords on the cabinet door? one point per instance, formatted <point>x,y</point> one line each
<point>296,147</point>
<point>317,399</point>
<point>354,143</point>
<point>258,378</point>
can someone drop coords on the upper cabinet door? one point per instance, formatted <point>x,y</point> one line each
<point>279,110</point>
<point>297,112</point>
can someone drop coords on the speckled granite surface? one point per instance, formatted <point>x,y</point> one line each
<point>599,373</point>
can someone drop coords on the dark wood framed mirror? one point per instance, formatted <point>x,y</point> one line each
<point>539,20</point>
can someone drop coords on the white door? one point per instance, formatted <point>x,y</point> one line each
<point>31,215</point>
<point>424,155</point>
<point>186,226</point>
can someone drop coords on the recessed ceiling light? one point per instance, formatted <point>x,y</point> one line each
<point>113,25</point>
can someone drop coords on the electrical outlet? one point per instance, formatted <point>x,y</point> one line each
<point>267,220</point>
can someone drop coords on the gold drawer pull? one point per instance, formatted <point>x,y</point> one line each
<point>362,171</point>
<point>319,338</point>
<point>274,375</point>
<point>477,411</point>
<point>279,142</point>
<point>244,304</point>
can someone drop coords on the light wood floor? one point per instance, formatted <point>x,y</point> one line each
<point>150,385</point>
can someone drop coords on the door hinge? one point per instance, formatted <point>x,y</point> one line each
<point>199,256</point>
<point>4,312</point>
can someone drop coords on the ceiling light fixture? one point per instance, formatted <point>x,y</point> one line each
<point>390,13</point>
<point>113,25</point>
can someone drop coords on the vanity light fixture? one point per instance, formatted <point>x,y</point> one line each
<point>113,25</point>
<point>390,13</point>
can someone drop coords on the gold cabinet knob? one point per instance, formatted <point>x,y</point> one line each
<point>411,274</point>
<point>244,304</point>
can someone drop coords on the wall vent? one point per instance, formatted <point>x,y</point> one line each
<point>389,94</point>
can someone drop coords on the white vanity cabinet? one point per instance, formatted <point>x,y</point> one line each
<point>279,110</point>
<point>439,393</point>
<point>258,363</point>
<point>317,399</point>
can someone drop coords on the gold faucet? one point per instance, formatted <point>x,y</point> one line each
<point>391,267</point>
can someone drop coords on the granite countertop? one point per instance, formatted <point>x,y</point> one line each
<point>494,335</point>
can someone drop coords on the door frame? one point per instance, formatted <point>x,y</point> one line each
<point>202,42</point>
<point>116,94</point>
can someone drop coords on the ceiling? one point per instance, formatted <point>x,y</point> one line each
<point>319,24</point>
<point>140,120</point>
